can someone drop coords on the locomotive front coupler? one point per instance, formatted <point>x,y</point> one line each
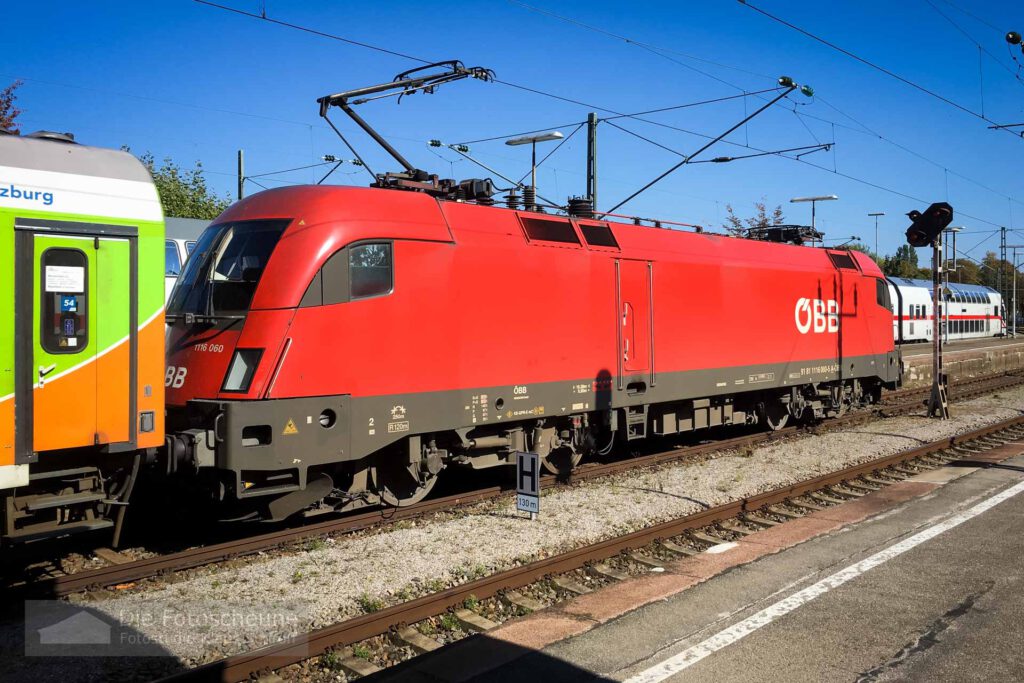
<point>185,452</point>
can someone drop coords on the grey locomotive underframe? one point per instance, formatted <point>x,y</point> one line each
<point>264,448</point>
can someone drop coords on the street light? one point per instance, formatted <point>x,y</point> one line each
<point>814,202</point>
<point>532,140</point>
<point>876,215</point>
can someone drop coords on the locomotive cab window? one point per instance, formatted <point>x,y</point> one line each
<point>65,301</point>
<point>369,270</point>
<point>229,261</point>
<point>882,294</point>
<point>359,271</point>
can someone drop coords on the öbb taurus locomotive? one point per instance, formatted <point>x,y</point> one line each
<point>332,347</point>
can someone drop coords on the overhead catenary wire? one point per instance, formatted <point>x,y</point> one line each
<point>660,51</point>
<point>973,16</point>
<point>687,159</point>
<point>659,110</point>
<point>553,150</point>
<point>577,102</point>
<point>969,37</point>
<point>862,60</point>
<point>866,130</point>
<point>289,170</point>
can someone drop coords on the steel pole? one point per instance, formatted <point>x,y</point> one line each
<point>241,173</point>
<point>533,166</point>
<point>533,174</point>
<point>937,404</point>
<point>592,159</point>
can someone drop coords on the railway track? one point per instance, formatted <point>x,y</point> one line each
<point>896,403</point>
<point>682,536</point>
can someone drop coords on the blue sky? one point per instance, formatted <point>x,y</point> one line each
<point>193,82</point>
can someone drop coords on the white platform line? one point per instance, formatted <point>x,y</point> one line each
<point>736,632</point>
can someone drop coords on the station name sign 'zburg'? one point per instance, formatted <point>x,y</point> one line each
<point>817,316</point>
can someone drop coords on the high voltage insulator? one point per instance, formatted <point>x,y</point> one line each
<point>458,148</point>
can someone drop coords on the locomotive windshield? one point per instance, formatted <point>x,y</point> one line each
<point>221,276</point>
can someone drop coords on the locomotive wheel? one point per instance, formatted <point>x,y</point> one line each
<point>398,483</point>
<point>561,461</point>
<point>775,415</point>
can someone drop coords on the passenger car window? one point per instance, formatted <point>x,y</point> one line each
<point>173,266</point>
<point>64,325</point>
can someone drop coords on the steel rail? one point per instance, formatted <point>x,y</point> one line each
<point>137,570</point>
<point>245,665</point>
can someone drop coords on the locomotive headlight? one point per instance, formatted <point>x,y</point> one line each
<point>241,370</point>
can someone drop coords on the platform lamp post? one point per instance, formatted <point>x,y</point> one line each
<point>814,202</point>
<point>876,215</point>
<point>530,193</point>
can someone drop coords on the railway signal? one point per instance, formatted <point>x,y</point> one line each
<point>926,229</point>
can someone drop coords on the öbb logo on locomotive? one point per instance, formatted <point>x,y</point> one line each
<point>175,376</point>
<point>821,316</point>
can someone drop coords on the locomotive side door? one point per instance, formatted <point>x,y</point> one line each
<point>634,302</point>
<point>74,339</point>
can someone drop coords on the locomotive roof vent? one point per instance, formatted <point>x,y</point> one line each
<point>54,136</point>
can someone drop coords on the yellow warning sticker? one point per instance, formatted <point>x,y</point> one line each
<point>290,427</point>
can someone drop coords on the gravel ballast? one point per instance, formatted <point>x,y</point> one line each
<point>344,577</point>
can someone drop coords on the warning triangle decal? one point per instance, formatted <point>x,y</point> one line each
<point>290,427</point>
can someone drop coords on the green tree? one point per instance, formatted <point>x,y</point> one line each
<point>183,192</point>
<point>735,225</point>
<point>8,112</point>
<point>903,263</point>
<point>859,246</point>
<point>967,272</point>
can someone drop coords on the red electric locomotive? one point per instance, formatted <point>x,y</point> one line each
<point>332,347</point>
<point>349,343</point>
